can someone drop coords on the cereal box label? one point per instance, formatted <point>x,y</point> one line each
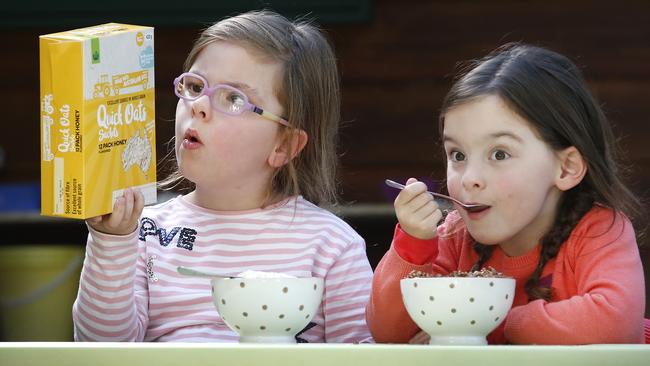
<point>97,118</point>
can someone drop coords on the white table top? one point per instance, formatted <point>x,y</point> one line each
<point>219,354</point>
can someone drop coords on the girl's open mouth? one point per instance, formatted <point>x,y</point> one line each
<point>191,139</point>
<point>475,207</point>
<point>478,212</point>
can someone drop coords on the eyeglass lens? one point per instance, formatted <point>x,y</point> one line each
<point>223,98</point>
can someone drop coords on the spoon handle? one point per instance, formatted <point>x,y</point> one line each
<point>194,273</point>
<point>394,184</point>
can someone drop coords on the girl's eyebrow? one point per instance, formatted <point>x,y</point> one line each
<point>247,89</point>
<point>492,136</point>
<point>507,134</point>
<point>446,138</point>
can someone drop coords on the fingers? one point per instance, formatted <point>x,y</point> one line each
<point>422,205</point>
<point>128,204</point>
<point>139,204</point>
<point>421,223</point>
<point>412,189</point>
<point>133,204</point>
<point>415,200</point>
<point>136,212</point>
<point>94,220</point>
<point>124,218</point>
<point>115,218</point>
<point>416,210</point>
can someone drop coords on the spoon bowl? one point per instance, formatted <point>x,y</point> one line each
<point>466,206</point>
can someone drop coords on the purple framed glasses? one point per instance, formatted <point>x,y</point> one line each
<point>224,98</point>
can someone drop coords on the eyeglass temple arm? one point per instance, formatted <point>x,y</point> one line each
<point>270,116</point>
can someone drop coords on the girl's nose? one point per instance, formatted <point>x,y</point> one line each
<point>201,108</point>
<point>473,178</point>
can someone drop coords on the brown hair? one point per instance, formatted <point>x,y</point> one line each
<point>309,93</point>
<point>548,91</point>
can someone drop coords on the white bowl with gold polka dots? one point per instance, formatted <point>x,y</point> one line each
<point>457,310</point>
<point>267,310</point>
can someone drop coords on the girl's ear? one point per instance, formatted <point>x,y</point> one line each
<point>573,168</point>
<point>287,148</point>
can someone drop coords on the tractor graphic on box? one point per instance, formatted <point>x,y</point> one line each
<point>119,83</point>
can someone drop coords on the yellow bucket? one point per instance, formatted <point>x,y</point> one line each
<point>38,285</point>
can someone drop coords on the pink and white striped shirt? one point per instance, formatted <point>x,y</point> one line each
<point>130,290</point>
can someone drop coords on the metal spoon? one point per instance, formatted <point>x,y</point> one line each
<point>466,206</point>
<point>194,273</point>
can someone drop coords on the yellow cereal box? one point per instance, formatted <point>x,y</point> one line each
<point>97,118</point>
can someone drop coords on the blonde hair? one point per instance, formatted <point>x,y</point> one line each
<point>309,93</point>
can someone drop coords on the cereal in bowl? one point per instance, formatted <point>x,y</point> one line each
<point>483,272</point>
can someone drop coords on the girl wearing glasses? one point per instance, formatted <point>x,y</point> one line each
<point>524,137</point>
<point>256,127</point>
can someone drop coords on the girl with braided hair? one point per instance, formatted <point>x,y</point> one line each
<point>524,136</point>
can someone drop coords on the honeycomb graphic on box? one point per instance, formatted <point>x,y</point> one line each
<point>137,152</point>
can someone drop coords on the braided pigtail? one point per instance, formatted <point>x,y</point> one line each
<point>575,204</point>
<point>484,253</point>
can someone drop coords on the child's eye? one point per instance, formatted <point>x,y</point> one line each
<point>193,88</point>
<point>499,155</point>
<point>228,100</point>
<point>236,99</point>
<point>457,156</point>
<point>236,102</point>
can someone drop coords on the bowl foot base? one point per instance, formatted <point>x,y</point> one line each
<point>267,339</point>
<point>459,340</point>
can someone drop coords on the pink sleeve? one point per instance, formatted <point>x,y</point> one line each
<point>112,300</point>
<point>610,302</point>
<point>347,288</point>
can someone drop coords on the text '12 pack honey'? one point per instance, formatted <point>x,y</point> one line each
<point>97,118</point>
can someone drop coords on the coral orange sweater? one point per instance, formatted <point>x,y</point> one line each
<point>597,281</point>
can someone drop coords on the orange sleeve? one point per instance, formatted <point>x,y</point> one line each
<point>414,250</point>
<point>609,303</point>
